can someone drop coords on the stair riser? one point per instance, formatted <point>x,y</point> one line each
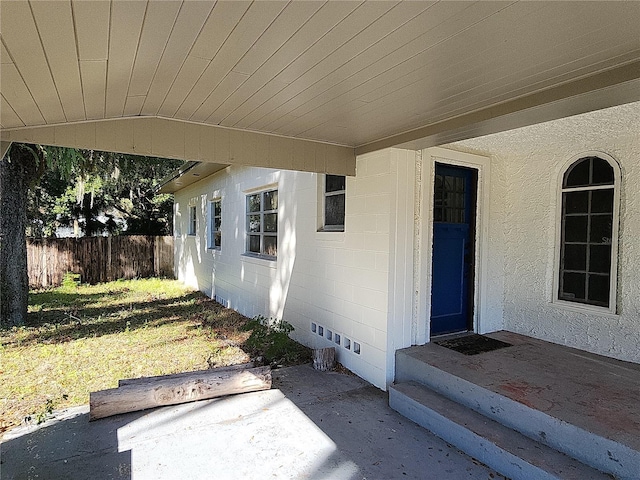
<point>598,452</point>
<point>472,444</point>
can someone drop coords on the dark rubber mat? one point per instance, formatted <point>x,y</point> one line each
<point>472,344</point>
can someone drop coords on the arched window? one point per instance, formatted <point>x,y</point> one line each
<point>588,239</point>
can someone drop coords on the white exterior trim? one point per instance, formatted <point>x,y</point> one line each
<point>401,285</point>
<point>425,237</point>
<point>210,224</point>
<point>613,279</point>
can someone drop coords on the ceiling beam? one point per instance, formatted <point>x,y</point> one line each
<point>4,147</point>
<point>168,138</point>
<point>609,88</point>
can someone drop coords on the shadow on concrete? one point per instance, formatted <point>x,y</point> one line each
<point>310,425</point>
<point>68,446</point>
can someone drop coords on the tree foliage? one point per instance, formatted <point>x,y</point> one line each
<point>104,193</point>
<point>42,187</point>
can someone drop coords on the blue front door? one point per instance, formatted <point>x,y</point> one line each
<point>453,235</point>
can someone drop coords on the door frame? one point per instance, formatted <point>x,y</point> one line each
<point>470,176</point>
<point>424,238</point>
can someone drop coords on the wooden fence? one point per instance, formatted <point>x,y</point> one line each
<point>98,259</point>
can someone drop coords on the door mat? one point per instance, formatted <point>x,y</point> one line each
<point>472,344</point>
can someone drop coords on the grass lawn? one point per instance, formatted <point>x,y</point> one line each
<point>85,338</point>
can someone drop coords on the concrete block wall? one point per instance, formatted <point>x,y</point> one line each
<point>336,282</point>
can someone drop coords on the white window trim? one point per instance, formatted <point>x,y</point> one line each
<point>424,238</point>
<point>322,195</point>
<point>211,224</point>
<point>612,309</point>
<point>192,226</point>
<point>261,191</point>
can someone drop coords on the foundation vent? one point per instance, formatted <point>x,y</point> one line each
<point>221,301</point>
<point>337,339</point>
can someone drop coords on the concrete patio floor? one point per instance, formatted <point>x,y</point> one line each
<point>310,425</point>
<point>596,393</point>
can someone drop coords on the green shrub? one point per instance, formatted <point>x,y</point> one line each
<point>269,343</point>
<point>70,281</point>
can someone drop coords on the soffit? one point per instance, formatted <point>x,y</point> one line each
<point>348,73</point>
<point>188,174</point>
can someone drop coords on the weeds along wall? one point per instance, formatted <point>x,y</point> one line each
<point>333,287</point>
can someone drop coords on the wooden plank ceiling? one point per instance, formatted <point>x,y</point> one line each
<point>342,72</point>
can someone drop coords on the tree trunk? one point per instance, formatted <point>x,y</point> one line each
<point>18,169</point>
<point>182,376</point>
<point>324,359</point>
<point>140,394</point>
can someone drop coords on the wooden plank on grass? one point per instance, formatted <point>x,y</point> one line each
<point>181,375</point>
<point>171,391</point>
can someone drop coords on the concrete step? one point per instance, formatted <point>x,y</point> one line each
<point>601,453</point>
<point>503,449</point>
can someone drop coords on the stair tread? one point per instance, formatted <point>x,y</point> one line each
<point>511,441</point>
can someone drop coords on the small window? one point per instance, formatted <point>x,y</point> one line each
<point>334,202</point>
<point>193,218</point>
<point>215,221</point>
<point>262,223</point>
<point>588,233</point>
<point>449,199</point>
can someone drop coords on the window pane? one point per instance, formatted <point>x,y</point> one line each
<point>270,245</point>
<point>253,203</point>
<point>575,257</point>
<point>447,200</point>
<point>599,289</point>
<point>587,232</point>
<point>437,215</point>
<point>457,200</point>
<point>262,227</point>
<point>254,243</point>
<point>192,220</point>
<point>334,210</point>
<point>270,222</point>
<point>453,215</point>
<point>578,174</point>
<point>449,183</point>
<point>600,229</point>
<point>271,200</point>
<point>217,208</point>
<point>254,223</point>
<point>602,201</point>
<point>575,229</point>
<point>600,258</point>
<point>217,239</point>
<point>576,202</point>
<point>602,172</point>
<point>334,183</point>
<point>573,286</point>
<point>216,223</point>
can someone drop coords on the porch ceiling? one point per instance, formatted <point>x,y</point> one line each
<point>360,74</point>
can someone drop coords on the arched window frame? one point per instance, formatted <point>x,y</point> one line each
<point>613,277</point>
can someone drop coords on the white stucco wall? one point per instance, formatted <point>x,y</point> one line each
<point>525,172</point>
<point>337,280</point>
